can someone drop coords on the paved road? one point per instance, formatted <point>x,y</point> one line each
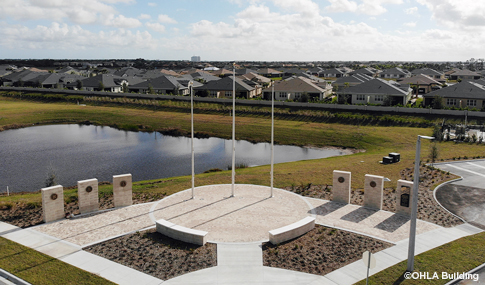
<point>465,198</point>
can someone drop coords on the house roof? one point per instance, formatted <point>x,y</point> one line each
<point>297,84</point>
<point>254,76</point>
<point>24,75</point>
<point>222,72</point>
<point>366,71</point>
<point>420,79</point>
<point>465,72</point>
<point>225,84</point>
<point>377,86</point>
<point>451,71</point>
<point>128,71</point>
<point>356,78</point>
<point>333,71</point>
<point>395,70</point>
<point>202,75</point>
<point>427,71</point>
<point>464,89</point>
<point>164,82</point>
<point>268,71</point>
<point>108,81</point>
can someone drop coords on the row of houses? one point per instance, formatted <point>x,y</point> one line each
<point>362,86</point>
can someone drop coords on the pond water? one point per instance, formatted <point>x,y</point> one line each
<point>77,152</point>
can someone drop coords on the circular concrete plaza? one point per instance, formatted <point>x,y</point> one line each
<point>246,217</point>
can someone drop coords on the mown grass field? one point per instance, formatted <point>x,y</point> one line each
<point>37,268</point>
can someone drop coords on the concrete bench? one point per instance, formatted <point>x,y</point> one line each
<point>181,233</point>
<point>291,231</point>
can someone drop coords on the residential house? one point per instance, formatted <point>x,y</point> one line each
<point>465,74</point>
<point>376,91</point>
<point>423,83</point>
<point>223,89</point>
<point>438,76</point>
<point>293,88</point>
<point>242,71</point>
<point>201,76</point>
<point>105,82</point>
<point>315,71</point>
<point>128,71</point>
<point>164,84</point>
<point>293,71</point>
<point>270,73</point>
<point>18,78</point>
<point>345,82</point>
<point>261,80</point>
<point>333,73</point>
<point>394,73</point>
<point>448,73</point>
<point>469,94</point>
<point>222,72</point>
<point>52,80</point>
<point>369,71</point>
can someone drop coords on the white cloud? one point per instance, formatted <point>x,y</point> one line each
<point>64,37</point>
<point>121,22</point>
<point>152,4</point>
<point>156,27</point>
<point>411,11</point>
<point>166,19</point>
<point>466,14</point>
<point>144,17</point>
<point>410,24</point>
<point>368,7</point>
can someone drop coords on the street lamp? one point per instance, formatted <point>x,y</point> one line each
<point>191,87</point>
<point>233,127</point>
<point>272,137</point>
<point>414,209</point>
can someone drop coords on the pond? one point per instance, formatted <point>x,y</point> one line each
<point>78,152</point>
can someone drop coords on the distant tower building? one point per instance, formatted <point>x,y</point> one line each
<point>195,58</point>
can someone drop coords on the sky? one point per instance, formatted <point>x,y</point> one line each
<point>244,30</point>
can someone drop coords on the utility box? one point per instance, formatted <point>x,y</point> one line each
<point>387,160</point>
<point>395,156</point>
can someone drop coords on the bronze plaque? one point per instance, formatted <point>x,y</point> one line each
<point>123,183</point>
<point>89,189</point>
<point>54,196</point>
<point>405,200</point>
<point>341,179</point>
<point>373,184</point>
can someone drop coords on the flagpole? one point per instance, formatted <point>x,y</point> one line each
<point>233,127</point>
<point>192,134</point>
<point>272,137</point>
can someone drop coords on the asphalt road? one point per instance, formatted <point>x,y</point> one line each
<point>465,198</point>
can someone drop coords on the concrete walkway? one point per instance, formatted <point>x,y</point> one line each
<point>74,255</point>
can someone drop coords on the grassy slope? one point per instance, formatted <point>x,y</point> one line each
<point>376,141</point>
<point>459,256</point>
<point>37,268</point>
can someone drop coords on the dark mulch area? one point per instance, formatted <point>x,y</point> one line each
<point>26,215</point>
<point>428,209</point>
<point>320,251</point>
<point>157,255</point>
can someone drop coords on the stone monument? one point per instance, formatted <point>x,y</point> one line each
<point>341,186</point>
<point>52,203</point>
<point>373,191</point>
<point>122,190</point>
<point>87,192</point>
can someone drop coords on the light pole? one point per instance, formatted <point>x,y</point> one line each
<point>272,137</point>
<point>233,127</point>
<point>414,209</point>
<point>192,134</point>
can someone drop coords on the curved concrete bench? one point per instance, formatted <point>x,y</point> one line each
<point>181,233</point>
<point>291,231</point>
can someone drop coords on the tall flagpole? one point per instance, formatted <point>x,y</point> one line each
<point>233,126</point>
<point>192,134</point>
<point>272,137</point>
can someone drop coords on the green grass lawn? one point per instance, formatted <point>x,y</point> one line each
<point>459,256</point>
<point>38,268</point>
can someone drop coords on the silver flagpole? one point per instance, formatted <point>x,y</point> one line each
<point>192,134</point>
<point>272,137</point>
<point>233,126</point>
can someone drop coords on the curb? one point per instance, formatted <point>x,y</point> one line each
<point>12,278</point>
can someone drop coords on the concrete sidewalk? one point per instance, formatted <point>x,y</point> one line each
<point>74,255</point>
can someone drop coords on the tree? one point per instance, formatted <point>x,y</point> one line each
<point>125,87</point>
<point>304,97</point>
<point>437,102</point>
<point>387,101</point>
<point>433,153</point>
<point>101,86</point>
<point>150,89</point>
<point>437,133</point>
<point>79,85</point>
